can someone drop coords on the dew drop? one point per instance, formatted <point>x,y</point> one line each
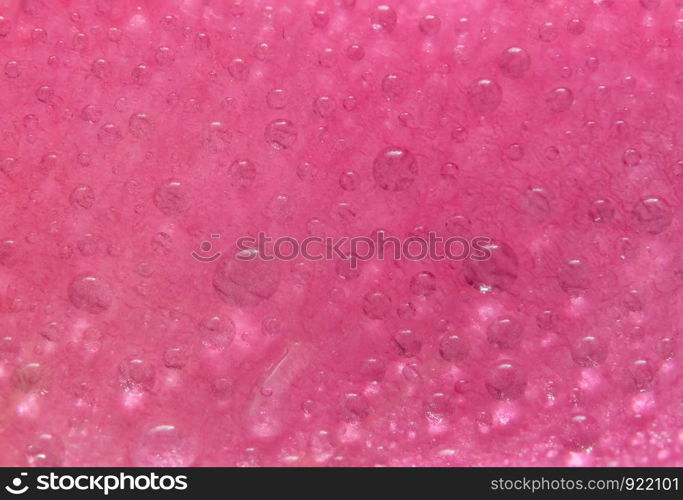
<point>281,134</point>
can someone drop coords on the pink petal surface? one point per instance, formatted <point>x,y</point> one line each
<point>133,131</point>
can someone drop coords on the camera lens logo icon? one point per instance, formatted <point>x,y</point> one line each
<point>15,488</point>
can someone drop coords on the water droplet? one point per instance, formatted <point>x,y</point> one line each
<point>320,18</point>
<point>373,369</point>
<point>642,374</point>
<point>101,69</point>
<point>560,99</point>
<point>454,348</point>
<point>631,157</point>
<point>601,211</point>
<point>164,56</point>
<point>383,18</point>
<point>576,26</point>
<point>407,343</point>
<point>355,407</point>
<point>45,450</point>
<point>27,377</point>
<point>164,446</point>
<point>171,198</point>
<point>243,173</point>
<point>498,272</point>
<point>9,253</point>
<point>394,169</point>
<point>514,62</point>
<point>505,333</point>
<point>202,41</point>
<point>582,432</point>
<point>545,319</point>
<point>423,283</point>
<point>394,86</point>
<point>139,125</point>
<point>574,277</point>
<point>12,69</point>
<point>217,333</point>
<point>355,52</point>
<point>137,376</point>
<point>109,134</point>
<point>324,106</point>
<point>90,294</point>
<point>176,358</point>
<point>547,32</point>
<point>514,152</point>
<point>484,95</point>
<point>589,351</point>
<point>281,134</point>
<point>430,25</point>
<point>246,279</point>
<point>141,74</point>
<point>652,215</point>
<point>261,51</point>
<point>238,69</point>
<point>535,203</point>
<point>277,98</point>
<point>327,57</point>
<point>5,27</point>
<point>506,381</point>
<point>376,305</point>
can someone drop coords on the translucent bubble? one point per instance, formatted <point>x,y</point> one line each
<point>90,294</point>
<point>484,95</point>
<point>137,376</point>
<point>394,169</point>
<point>601,211</point>
<point>574,277</point>
<point>514,62</point>
<point>262,51</point>
<point>324,106</point>
<point>163,446</point>
<point>238,69</point>
<point>246,279</point>
<point>45,94</point>
<point>560,99</point>
<point>652,215</point>
<point>407,343</point>
<point>505,333</point>
<point>376,305</point>
<point>430,25</point>
<point>281,134</point>
<point>423,283</point>
<point>589,351</point>
<point>506,381</point>
<point>80,41</point>
<point>140,125</point>
<point>498,272</point>
<point>454,348</point>
<point>171,198</point>
<point>217,333</point>
<point>383,18</point>
<point>355,52</point>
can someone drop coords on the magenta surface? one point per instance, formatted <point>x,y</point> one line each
<point>131,132</point>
